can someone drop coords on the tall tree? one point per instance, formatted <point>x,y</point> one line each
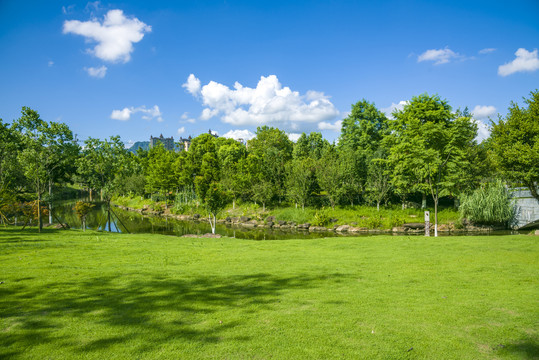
<point>274,150</point>
<point>300,180</point>
<point>100,165</point>
<point>160,174</point>
<point>378,178</point>
<point>431,141</point>
<point>329,176</point>
<point>515,144</point>
<point>48,155</point>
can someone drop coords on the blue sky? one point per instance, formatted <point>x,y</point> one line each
<point>143,68</point>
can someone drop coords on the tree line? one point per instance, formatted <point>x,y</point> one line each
<point>426,149</point>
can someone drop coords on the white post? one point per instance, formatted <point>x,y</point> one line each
<point>427,223</point>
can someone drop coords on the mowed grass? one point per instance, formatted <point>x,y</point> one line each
<point>69,294</point>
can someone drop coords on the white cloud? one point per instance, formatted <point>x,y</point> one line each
<point>269,103</point>
<point>240,134</point>
<point>483,131</point>
<point>487,50</point>
<point>115,36</point>
<point>181,130</point>
<point>192,85</point>
<point>293,136</point>
<point>208,114</point>
<point>50,63</point>
<point>329,126</point>
<point>483,112</point>
<point>122,115</point>
<point>394,107</point>
<point>525,61</point>
<point>439,56</point>
<point>99,72</point>
<point>185,116</point>
<point>148,114</point>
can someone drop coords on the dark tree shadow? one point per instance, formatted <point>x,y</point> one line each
<point>134,306</point>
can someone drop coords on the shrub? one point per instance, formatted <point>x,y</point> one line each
<point>491,204</point>
<point>321,218</point>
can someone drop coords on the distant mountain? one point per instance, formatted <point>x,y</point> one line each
<point>144,145</point>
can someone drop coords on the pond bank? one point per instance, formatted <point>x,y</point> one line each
<point>247,222</point>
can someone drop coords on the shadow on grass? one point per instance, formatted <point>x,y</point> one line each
<point>148,313</point>
<point>525,349</point>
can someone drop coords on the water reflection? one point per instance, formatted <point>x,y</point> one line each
<point>133,222</point>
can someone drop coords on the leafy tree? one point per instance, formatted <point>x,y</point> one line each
<point>82,209</point>
<point>515,144</point>
<point>353,173</point>
<point>273,148</point>
<point>378,179</point>
<point>310,146</point>
<point>215,200</point>
<point>48,154</point>
<point>100,166</point>
<point>300,180</point>
<point>429,144</point>
<point>160,175</point>
<point>329,176</point>
<point>364,128</point>
<point>263,191</point>
<point>10,173</point>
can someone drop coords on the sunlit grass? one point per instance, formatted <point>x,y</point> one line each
<point>68,294</point>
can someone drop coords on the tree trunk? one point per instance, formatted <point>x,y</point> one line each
<point>263,207</point>
<point>233,204</point>
<point>108,214</point>
<point>212,224</point>
<point>101,194</point>
<point>84,223</point>
<point>50,202</point>
<point>436,216</point>
<point>424,201</point>
<point>39,219</point>
<point>90,194</point>
<point>378,206</point>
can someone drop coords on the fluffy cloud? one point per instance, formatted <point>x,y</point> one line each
<point>293,136</point>
<point>239,134</point>
<point>50,63</point>
<point>181,130</point>
<point>99,72</point>
<point>148,114</point>
<point>525,61</point>
<point>487,50</point>
<point>269,103</point>
<point>329,126</point>
<point>483,112</point>
<point>114,36</point>
<point>394,107</point>
<point>439,56</point>
<point>192,85</point>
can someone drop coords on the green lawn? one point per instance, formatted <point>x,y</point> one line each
<point>69,294</point>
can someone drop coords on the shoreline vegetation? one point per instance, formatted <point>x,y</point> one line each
<point>342,219</point>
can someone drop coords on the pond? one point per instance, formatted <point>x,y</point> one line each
<point>132,222</point>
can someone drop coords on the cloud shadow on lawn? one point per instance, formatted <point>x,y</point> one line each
<point>150,312</point>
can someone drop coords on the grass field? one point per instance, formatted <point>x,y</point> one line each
<point>69,294</point>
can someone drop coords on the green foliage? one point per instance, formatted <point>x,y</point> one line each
<point>491,204</point>
<point>364,128</point>
<point>321,218</point>
<point>515,144</point>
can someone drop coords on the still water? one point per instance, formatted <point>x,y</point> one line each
<point>132,222</point>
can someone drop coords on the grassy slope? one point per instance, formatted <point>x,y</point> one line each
<point>94,295</point>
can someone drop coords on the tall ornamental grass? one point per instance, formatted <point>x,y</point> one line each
<point>491,204</point>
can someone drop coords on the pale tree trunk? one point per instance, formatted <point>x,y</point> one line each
<point>233,204</point>
<point>212,224</point>
<point>378,206</point>
<point>436,216</point>
<point>424,201</point>
<point>50,202</point>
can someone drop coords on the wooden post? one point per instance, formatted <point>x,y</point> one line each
<point>427,223</point>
